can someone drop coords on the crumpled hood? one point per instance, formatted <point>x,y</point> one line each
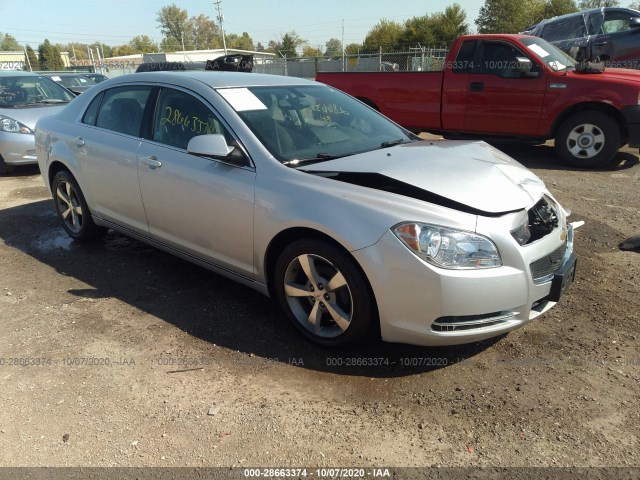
<point>30,115</point>
<point>473,174</point>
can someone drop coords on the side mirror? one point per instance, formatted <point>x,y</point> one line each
<point>215,146</point>
<point>522,65</point>
<point>634,23</point>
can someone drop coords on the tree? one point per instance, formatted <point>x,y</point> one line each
<point>508,16</point>
<point>142,44</point>
<point>124,50</point>
<point>333,48</point>
<point>174,23</point>
<point>204,32</point>
<point>555,8</point>
<point>288,46</point>
<point>9,43</point>
<point>309,51</point>
<point>49,57</point>
<point>259,47</point>
<point>244,42</point>
<point>449,25</point>
<point>586,4</point>
<point>386,34</point>
<point>170,44</point>
<point>352,49</point>
<point>32,59</point>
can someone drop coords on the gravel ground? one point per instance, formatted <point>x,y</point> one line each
<point>136,358</point>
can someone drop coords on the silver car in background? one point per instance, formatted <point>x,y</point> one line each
<point>354,224</point>
<point>24,98</point>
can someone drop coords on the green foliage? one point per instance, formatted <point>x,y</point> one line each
<point>352,49</point>
<point>308,51</point>
<point>8,43</point>
<point>197,33</point>
<point>509,16</point>
<point>555,8</point>
<point>586,4</point>
<point>333,48</point>
<point>33,59</point>
<point>142,44</point>
<point>385,35</point>
<point>49,57</point>
<point>244,42</point>
<point>288,46</point>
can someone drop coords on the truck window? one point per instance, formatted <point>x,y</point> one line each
<point>500,59</point>
<point>572,27</point>
<point>616,21</point>
<point>464,59</point>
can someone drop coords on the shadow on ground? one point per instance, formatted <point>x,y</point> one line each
<point>202,303</point>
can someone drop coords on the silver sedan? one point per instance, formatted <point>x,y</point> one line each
<point>355,225</point>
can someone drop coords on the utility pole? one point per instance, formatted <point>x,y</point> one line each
<point>221,20</point>
<point>343,64</point>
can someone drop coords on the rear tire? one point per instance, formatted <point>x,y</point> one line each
<point>588,139</point>
<point>72,208</point>
<point>324,293</point>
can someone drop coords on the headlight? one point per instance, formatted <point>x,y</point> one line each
<point>448,248</point>
<point>8,124</point>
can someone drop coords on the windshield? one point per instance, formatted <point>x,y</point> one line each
<point>312,123</point>
<point>17,91</point>
<point>74,81</point>
<point>555,58</point>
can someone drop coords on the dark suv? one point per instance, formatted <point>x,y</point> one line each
<point>609,34</point>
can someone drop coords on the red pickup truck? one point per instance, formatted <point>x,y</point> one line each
<point>510,87</point>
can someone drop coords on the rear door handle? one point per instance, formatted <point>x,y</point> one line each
<point>600,44</point>
<point>151,161</point>
<point>476,86</point>
<point>79,142</point>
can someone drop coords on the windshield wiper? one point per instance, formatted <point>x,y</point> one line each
<point>391,143</point>
<point>318,158</point>
<point>49,101</point>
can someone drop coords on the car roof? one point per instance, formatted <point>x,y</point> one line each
<point>582,13</point>
<point>16,73</point>
<point>218,79</point>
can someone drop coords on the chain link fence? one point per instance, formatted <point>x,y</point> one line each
<point>414,60</point>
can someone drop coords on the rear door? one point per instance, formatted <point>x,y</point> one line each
<point>500,100</point>
<point>617,41</point>
<point>105,146</point>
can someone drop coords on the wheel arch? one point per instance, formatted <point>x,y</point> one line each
<point>591,106</point>
<point>55,167</point>
<point>290,235</point>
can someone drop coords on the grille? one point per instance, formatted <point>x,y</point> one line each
<point>543,269</point>
<point>469,322</point>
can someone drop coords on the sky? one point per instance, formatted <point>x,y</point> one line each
<point>115,22</point>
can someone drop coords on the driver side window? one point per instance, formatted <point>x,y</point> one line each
<point>180,116</point>
<point>500,59</point>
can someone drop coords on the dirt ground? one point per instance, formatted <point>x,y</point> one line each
<point>116,354</point>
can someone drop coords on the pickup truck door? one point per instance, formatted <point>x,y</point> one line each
<point>499,100</point>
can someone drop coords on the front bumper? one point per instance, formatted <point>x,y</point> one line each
<point>631,116</point>
<point>424,305</point>
<point>18,148</point>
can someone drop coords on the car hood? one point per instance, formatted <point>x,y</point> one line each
<point>468,176</point>
<point>615,74</point>
<point>30,115</point>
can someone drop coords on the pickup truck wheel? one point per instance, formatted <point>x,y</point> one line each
<point>588,139</point>
<point>324,293</point>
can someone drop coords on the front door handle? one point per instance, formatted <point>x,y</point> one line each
<point>79,141</point>
<point>151,161</point>
<point>476,86</point>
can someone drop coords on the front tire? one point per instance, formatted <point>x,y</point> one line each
<point>588,139</point>
<point>72,208</point>
<point>324,293</point>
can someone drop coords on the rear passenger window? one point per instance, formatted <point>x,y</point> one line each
<point>122,109</point>
<point>572,27</point>
<point>91,114</point>
<point>179,117</point>
<point>464,60</point>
